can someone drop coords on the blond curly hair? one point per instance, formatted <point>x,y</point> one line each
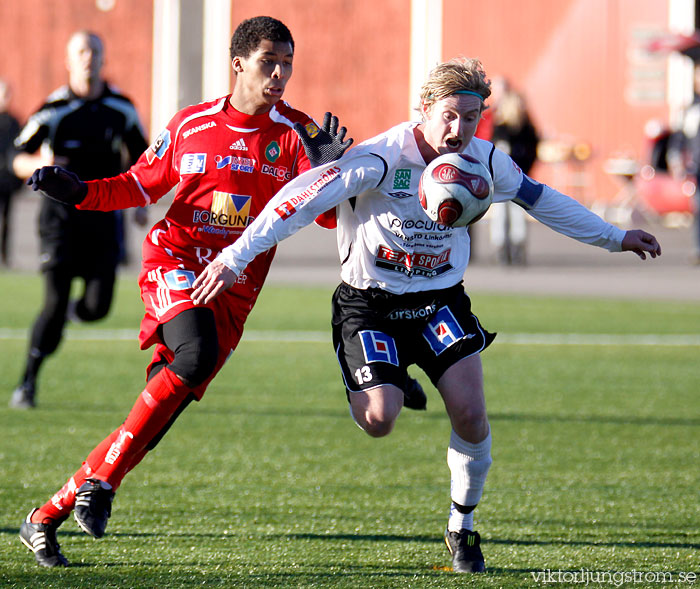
<point>450,77</point>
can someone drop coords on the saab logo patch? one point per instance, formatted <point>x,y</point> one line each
<point>442,331</point>
<point>311,129</point>
<point>379,347</point>
<point>179,279</point>
<point>159,147</point>
<point>227,210</point>
<point>402,179</point>
<point>193,163</point>
<point>272,152</point>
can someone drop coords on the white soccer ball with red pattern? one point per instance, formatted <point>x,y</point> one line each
<point>455,189</point>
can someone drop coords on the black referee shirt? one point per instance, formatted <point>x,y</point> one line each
<point>99,138</point>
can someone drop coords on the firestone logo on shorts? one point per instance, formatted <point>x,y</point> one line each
<point>227,210</point>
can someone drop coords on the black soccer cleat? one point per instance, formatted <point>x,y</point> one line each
<point>465,548</point>
<point>41,540</point>
<point>23,397</point>
<point>93,506</point>
<point>414,395</point>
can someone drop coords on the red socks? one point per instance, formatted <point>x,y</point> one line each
<point>125,447</point>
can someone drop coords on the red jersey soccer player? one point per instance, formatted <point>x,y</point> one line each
<point>227,158</point>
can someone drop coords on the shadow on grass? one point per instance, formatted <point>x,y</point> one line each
<point>15,532</point>
<point>626,544</point>
<point>486,541</point>
<point>386,538</point>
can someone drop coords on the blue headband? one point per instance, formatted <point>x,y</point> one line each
<point>479,96</point>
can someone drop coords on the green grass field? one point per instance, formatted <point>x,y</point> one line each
<point>268,483</point>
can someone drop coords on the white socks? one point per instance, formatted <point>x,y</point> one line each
<point>469,463</point>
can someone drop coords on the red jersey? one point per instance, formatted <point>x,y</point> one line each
<point>225,166</point>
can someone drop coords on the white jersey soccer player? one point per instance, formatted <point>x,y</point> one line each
<point>401,301</point>
<point>385,239</point>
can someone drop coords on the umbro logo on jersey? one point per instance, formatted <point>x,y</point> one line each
<point>239,145</point>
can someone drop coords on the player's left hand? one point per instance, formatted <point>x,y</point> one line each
<point>214,280</point>
<point>327,145</point>
<point>641,243</point>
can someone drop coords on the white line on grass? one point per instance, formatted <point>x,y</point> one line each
<point>598,339</point>
<point>525,339</point>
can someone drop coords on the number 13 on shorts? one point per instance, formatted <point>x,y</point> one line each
<point>376,347</point>
<point>363,375</point>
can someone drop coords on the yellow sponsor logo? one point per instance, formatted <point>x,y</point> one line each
<point>229,210</point>
<point>311,129</point>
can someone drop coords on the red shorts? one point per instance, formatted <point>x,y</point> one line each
<point>166,288</point>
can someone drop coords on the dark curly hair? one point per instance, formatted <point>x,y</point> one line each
<point>250,32</point>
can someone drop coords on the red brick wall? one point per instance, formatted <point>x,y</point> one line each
<point>34,33</point>
<point>351,58</point>
<point>571,58</point>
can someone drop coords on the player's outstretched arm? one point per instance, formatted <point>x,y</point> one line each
<point>327,145</point>
<point>641,243</point>
<point>59,184</point>
<point>213,280</point>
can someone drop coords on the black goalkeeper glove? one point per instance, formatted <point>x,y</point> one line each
<point>327,145</point>
<point>59,184</point>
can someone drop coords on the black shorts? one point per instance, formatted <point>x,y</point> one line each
<point>377,335</point>
<point>82,243</point>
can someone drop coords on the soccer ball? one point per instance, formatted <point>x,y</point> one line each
<point>455,189</point>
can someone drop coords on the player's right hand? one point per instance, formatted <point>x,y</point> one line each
<point>214,280</point>
<point>59,184</point>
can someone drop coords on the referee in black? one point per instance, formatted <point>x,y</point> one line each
<point>93,130</point>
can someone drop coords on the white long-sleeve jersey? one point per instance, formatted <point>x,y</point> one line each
<point>385,238</point>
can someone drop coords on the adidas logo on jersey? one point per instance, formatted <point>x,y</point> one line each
<point>239,145</point>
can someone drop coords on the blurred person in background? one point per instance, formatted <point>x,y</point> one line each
<point>658,137</point>
<point>684,154</point>
<point>92,129</point>
<point>513,132</point>
<point>9,183</point>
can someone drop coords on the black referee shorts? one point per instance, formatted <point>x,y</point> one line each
<point>377,335</point>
